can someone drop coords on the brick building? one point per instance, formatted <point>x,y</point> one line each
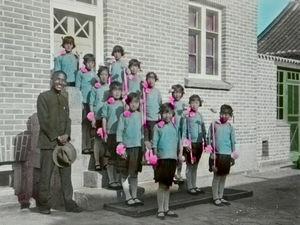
<point>209,46</point>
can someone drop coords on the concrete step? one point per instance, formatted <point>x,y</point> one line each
<point>178,199</point>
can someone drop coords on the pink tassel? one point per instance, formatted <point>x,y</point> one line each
<point>172,100</point>
<point>125,81</point>
<point>193,159</point>
<point>151,158</point>
<point>83,69</point>
<point>145,84</point>
<point>208,149</point>
<point>111,100</point>
<point>109,80</point>
<point>120,150</point>
<point>173,120</point>
<point>101,133</point>
<point>127,113</point>
<point>63,52</point>
<point>234,155</point>
<point>97,85</point>
<point>90,116</point>
<point>161,123</point>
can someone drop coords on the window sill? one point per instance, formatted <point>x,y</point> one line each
<point>207,84</point>
<point>282,123</point>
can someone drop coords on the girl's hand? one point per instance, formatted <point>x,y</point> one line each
<point>124,156</point>
<point>148,145</point>
<point>93,122</point>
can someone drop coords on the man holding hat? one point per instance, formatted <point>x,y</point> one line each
<point>55,130</point>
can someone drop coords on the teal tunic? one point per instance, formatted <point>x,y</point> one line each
<point>196,126</point>
<point>117,71</point>
<point>153,102</point>
<point>165,141</point>
<point>224,136</point>
<point>179,108</point>
<point>67,63</point>
<point>129,130</point>
<point>134,85</point>
<point>112,112</point>
<point>85,82</point>
<point>98,97</point>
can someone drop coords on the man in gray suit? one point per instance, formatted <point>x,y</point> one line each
<point>55,129</point>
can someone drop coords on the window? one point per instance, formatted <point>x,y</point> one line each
<point>280,95</point>
<point>204,42</point>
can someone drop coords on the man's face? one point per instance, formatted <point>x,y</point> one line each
<point>59,82</point>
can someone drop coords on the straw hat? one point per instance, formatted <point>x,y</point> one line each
<point>64,155</point>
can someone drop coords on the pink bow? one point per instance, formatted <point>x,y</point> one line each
<point>151,158</point>
<point>161,123</point>
<point>187,143</point>
<point>97,85</point>
<point>83,69</point>
<point>90,116</point>
<point>130,76</point>
<point>193,159</point>
<point>172,100</point>
<point>112,59</point>
<point>63,52</point>
<point>127,113</point>
<point>111,100</point>
<point>191,112</point>
<point>109,80</point>
<point>147,87</point>
<point>173,120</point>
<point>121,149</point>
<point>101,133</point>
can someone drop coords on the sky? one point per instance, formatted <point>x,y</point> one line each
<point>268,10</point>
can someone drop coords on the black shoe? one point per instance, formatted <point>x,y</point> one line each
<point>76,209</point>
<point>45,211</point>
<point>25,205</point>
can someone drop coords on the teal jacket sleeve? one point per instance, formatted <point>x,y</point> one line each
<point>57,64</point>
<point>155,138</point>
<point>203,129</point>
<point>233,141</point>
<point>120,129</point>
<point>78,80</point>
<point>45,125</point>
<point>104,111</point>
<point>92,99</point>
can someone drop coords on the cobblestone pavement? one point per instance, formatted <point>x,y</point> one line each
<point>276,201</point>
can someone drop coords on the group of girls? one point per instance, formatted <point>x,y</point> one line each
<point>132,125</point>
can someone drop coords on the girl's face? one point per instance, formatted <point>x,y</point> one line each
<point>167,116</point>
<point>117,55</point>
<point>195,105</point>
<point>116,93</point>
<point>68,47</point>
<point>151,81</point>
<point>90,65</point>
<point>224,117</point>
<point>103,77</point>
<point>134,69</point>
<point>134,104</point>
<point>177,95</point>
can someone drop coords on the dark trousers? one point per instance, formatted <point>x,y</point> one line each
<point>47,166</point>
<point>148,131</point>
<point>86,128</point>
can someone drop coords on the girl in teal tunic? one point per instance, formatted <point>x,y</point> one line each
<point>98,97</point>
<point>67,61</point>
<point>84,82</point>
<point>129,135</point>
<point>133,83</point>
<point>117,66</point>
<point>222,138</point>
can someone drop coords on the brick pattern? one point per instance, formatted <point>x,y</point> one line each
<point>25,60</point>
<point>277,133</point>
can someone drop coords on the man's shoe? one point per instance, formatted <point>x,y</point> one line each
<point>45,211</point>
<point>75,210</point>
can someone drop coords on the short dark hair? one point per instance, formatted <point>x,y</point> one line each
<point>132,96</point>
<point>177,87</point>
<point>56,74</point>
<point>115,85</point>
<point>226,109</point>
<point>134,62</point>
<point>150,74</point>
<point>166,107</point>
<point>88,57</point>
<point>68,40</point>
<point>195,98</point>
<point>102,68</point>
<point>117,48</point>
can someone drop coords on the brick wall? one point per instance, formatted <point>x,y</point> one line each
<point>25,61</point>
<point>277,133</point>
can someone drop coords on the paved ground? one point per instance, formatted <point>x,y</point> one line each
<point>276,201</point>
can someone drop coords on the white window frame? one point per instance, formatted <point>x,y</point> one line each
<point>202,74</point>
<point>83,8</point>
